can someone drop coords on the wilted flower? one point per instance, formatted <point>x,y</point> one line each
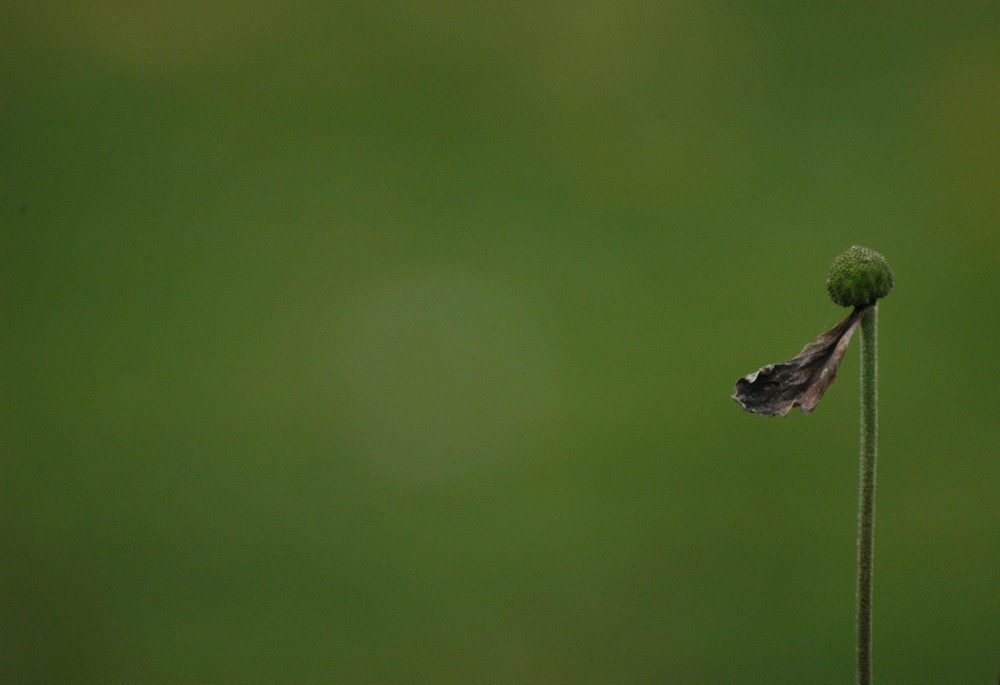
<point>858,277</point>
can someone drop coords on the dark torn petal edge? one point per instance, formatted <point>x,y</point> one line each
<point>774,389</point>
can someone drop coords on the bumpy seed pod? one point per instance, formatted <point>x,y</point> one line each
<point>858,277</point>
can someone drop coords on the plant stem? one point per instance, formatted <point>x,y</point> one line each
<point>866,495</point>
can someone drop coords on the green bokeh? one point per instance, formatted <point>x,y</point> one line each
<point>393,342</point>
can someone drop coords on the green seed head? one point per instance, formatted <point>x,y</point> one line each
<point>858,277</point>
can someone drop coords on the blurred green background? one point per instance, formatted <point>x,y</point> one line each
<point>394,342</point>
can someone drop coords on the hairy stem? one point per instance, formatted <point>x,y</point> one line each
<point>866,495</point>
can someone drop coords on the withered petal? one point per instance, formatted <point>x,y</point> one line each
<point>776,388</point>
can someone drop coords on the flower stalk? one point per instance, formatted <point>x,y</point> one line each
<point>866,490</point>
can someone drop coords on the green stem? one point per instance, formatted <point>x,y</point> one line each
<point>866,495</point>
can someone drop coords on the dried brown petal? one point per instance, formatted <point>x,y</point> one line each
<point>776,388</point>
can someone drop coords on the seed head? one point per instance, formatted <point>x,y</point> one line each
<point>858,277</point>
